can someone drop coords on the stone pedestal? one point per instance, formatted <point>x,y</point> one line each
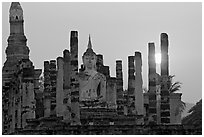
<point>175,104</point>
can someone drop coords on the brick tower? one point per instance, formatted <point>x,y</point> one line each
<point>17,48</point>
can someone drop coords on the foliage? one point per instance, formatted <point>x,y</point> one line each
<point>195,116</point>
<point>174,87</point>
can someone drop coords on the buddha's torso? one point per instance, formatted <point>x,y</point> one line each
<point>91,85</point>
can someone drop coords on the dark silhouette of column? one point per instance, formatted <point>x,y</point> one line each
<point>66,86</point>
<point>99,63</point>
<point>165,82</point>
<point>111,92</point>
<point>75,114</point>
<point>119,83</point>
<point>152,82</point>
<point>139,103</point>
<point>59,88</point>
<point>131,85</point>
<point>53,79</point>
<point>47,89</point>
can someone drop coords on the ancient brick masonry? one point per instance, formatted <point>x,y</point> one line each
<point>165,82</point>
<point>66,86</point>
<point>53,78</point>
<point>75,110</point>
<point>19,78</point>
<point>119,93</point>
<point>152,81</point>
<point>99,63</point>
<point>21,96</point>
<point>139,103</point>
<point>175,103</point>
<point>47,89</point>
<point>131,85</point>
<point>50,76</point>
<point>15,51</point>
<point>59,87</point>
<point>111,93</point>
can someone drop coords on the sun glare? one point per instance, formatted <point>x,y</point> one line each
<point>158,58</point>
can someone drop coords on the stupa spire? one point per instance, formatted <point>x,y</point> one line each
<point>15,12</point>
<point>89,43</point>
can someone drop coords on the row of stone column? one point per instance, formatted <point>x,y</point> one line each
<point>135,92</point>
<point>65,83</point>
<point>159,111</point>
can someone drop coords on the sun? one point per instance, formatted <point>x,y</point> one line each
<point>158,58</point>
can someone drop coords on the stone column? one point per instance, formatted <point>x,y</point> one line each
<point>47,89</point>
<point>66,86</point>
<point>75,115</point>
<point>131,85</point>
<point>99,63</point>
<point>111,93</point>
<point>152,82</point>
<point>139,103</point>
<point>59,88</point>
<point>53,78</point>
<point>119,93</point>
<point>39,112</point>
<point>106,71</point>
<point>165,82</point>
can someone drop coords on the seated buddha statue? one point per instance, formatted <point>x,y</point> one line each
<point>92,84</point>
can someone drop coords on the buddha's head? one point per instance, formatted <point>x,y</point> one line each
<point>89,57</point>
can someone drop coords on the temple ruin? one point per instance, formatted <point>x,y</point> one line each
<point>85,100</point>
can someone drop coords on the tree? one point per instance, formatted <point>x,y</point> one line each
<point>195,116</point>
<point>174,87</point>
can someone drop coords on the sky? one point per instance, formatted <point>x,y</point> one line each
<point>117,31</point>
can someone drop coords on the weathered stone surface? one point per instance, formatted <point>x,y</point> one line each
<point>59,88</point>
<point>111,93</point>
<point>74,83</point>
<point>165,83</point>
<point>139,99</point>
<point>66,86</point>
<point>119,93</point>
<point>131,85</point>
<point>152,76</point>
<point>99,63</point>
<point>175,106</point>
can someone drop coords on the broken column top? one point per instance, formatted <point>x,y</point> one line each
<point>66,51</point>
<point>164,36</point>
<point>100,58</point>
<point>66,54</point>
<point>151,46</point>
<point>119,61</point>
<point>59,58</point>
<point>138,59</point>
<point>131,57</point>
<point>138,54</point>
<point>74,34</point>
